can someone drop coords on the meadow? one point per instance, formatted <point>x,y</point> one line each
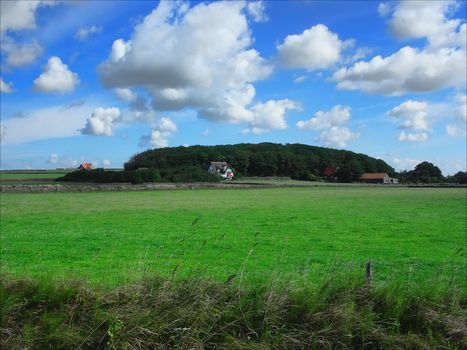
<point>277,268</point>
<point>110,239</point>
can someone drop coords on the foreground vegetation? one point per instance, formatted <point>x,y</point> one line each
<point>342,312</point>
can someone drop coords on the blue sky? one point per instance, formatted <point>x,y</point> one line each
<point>98,81</point>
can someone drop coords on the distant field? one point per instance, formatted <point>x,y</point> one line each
<point>112,238</point>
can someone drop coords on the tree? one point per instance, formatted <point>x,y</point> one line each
<point>426,172</point>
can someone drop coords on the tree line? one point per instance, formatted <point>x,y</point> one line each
<point>297,161</point>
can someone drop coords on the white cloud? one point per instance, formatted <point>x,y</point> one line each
<point>337,136</point>
<point>461,108</point>
<point>455,130</point>
<point>125,94</point>
<point>428,19</point>
<point>205,133</point>
<point>384,9</point>
<point>438,65</point>
<point>56,78</point>
<point>413,137</point>
<point>458,128</point>
<point>46,123</point>
<point>338,115</point>
<point>5,87</point>
<point>106,163</point>
<point>316,48</point>
<point>18,55</point>
<point>405,163</point>
<point>411,115</point>
<point>332,123</point>
<point>197,58</point>
<point>2,132</point>
<point>53,158</point>
<point>20,15</point>
<point>300,79</point>
<point>160,133</point>
<point>256,10</point>
<point>136,102</point>
<point>84,32</point>
<point>101,122</point>
<point>408,70</point>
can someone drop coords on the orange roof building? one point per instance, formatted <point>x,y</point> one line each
<point>85,166</point>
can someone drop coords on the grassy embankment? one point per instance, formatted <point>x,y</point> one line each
<point>294,258</point>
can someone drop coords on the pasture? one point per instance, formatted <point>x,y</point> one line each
<point>109,239</point>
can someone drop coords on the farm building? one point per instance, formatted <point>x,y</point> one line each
<point>329,171</point>
<point>222,169</point>
<point>85,166</point>
<point>378,178</point>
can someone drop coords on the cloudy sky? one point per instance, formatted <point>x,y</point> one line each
<point>99,81</point>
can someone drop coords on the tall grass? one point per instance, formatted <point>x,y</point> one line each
<point>339,312</point>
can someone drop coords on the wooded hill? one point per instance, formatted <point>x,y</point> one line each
<point>265,159</point>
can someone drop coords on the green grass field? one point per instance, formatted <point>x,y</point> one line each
<point>114,238</point>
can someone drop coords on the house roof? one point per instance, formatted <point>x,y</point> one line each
<point>86,165</point>
<point>373,176</point>
<point>330,170</point>
<point>219,165</point>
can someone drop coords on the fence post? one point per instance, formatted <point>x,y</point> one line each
<point>369,274</point>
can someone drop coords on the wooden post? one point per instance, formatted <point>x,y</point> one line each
<point>369,274</point>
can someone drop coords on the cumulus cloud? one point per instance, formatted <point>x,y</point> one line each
<point>428,19</point>
<point>83,33</point>
<point>136,102</point>
<point>5,87</point>
<point>458,128</point>
<point>53,158</point>
<point>332,122</point>
<point>101,122</point>
<point>405,163</point>
<point>408,70</point>
<point>438,65</point>
<point>338,115</point>
<point>20,15</point>
<point>384,9</point>
<point>337,136</point>
<point>160,133</point>
<point>256,10</point>
<point>199,57</point>
<point>411,115</point>
<point>106,163</point>
<point>56,78</point>
<point>413,137</point>
<point>18,55</point>
<point>270,115</point>
<point>315,48</point>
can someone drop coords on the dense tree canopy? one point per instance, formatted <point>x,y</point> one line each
<point>264,159</point>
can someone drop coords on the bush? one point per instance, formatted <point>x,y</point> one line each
<point>107,176</point>
<point>139,176</point>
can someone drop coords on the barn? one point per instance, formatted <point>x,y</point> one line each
<point>378,178</point>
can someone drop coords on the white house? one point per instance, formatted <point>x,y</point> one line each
<point>222,169</point>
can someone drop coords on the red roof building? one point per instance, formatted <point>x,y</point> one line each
<point>330,170</point>
<point>85,166</point>
<point>382,178</point>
